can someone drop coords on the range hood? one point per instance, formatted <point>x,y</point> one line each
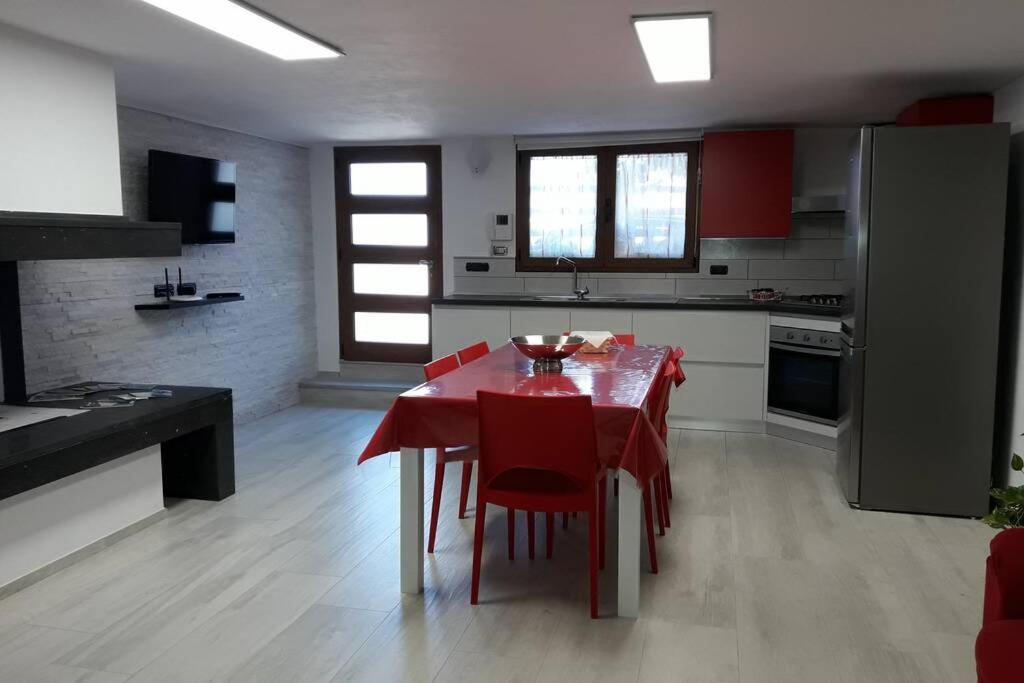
<point>51,236</point>
<point>822,203</point>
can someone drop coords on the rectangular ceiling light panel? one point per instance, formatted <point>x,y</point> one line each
<point>249,26</point>
<point>677,47</point>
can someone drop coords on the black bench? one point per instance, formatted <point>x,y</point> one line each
<point>195,429</point>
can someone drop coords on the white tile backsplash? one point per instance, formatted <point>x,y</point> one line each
<point>699,287</point>
<point>806,263</point>
<point>497,267</point>
<point>742,249</point>
<point>637,286</point>
<point>799,287</point>
<point>488,285</point>
<point>792,270</point>
<point>737,270</point>
<point>547,285</point>
<point>813,249</point>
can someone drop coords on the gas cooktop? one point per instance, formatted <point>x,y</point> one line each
<point>831,300</point>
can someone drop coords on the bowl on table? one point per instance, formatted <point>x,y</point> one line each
<point>547,350</point>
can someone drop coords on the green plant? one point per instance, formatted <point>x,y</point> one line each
<point>1009,510</point>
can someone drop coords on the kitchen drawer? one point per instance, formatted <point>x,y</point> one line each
<point>539,321</point>
<point>612,320</point>
<point>719,392</point>
<point>456,327</point>
<point>706,336</point>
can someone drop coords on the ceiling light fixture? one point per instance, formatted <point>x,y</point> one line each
<point>677,46</point>
<point>251,26</point>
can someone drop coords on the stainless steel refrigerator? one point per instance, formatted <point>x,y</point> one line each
<point>923,267</point>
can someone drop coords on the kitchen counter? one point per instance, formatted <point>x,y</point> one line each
<point>706,303</point>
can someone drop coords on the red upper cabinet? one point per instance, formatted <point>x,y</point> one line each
<point>746,184</point>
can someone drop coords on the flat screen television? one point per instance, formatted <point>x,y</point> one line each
<point>195,191</point>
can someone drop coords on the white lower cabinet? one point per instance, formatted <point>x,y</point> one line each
<point>539,321</point>
<point>725,358</point>
<point>724,364</point>
<point>707,336</point>
<point>719,395</point>
<point>614,320</point>
<point>456,327</point>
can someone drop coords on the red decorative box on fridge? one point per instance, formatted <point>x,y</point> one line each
<point>947,111</point>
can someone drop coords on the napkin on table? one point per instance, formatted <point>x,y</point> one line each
<point>596,341</point>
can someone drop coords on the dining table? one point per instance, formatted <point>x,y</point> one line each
<point>443,413</point>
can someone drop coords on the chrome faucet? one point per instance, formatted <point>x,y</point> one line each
<point>580,293</point>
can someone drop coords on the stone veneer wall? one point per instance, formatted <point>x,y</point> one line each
<point>808,262</point>
<point>78,317</point>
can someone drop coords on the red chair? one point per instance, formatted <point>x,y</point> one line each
<point>997,650</point>
<point>539,453</point>
<point>472,352</point>
<point>655,412</point>
<point>464,454</point>
<point>678,378</point>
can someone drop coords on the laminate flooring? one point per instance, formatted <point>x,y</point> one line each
<point>766,575</point>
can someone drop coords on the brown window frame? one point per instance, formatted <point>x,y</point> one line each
<point>604,260</point>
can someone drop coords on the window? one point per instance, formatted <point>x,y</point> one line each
<point>615,208</point>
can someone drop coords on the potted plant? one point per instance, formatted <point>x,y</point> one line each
<point>1009,509</point>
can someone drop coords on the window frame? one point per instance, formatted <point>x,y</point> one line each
<point>604,260</point>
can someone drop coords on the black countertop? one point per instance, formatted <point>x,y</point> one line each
<point>649,302</point>
<point>45,451</point>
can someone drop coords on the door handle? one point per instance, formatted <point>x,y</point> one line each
<point>427,262</point>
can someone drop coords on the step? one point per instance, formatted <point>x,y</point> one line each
<point>334,389</point>
<point>403,373</point>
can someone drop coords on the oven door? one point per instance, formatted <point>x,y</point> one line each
<point>803,382</point>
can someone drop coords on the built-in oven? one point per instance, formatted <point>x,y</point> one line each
<point>803,374</point>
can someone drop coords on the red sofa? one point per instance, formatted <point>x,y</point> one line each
<point>999,650</point>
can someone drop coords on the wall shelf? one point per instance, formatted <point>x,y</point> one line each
<point>164,304</point>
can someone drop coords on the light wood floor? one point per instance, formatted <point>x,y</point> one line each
<point>766,575</point>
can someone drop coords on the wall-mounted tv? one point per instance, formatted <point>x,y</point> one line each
<point>195,191</point>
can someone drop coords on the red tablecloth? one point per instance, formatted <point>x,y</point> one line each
<point>443,412</point>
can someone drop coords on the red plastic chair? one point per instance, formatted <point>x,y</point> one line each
<point>657,413</point>
<point>678,378</point>
<point>464,454</point>
<point>474,351</point>
<point>441,366</point>
<point>539,453</point>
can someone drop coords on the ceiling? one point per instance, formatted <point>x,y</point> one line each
<point>450,68</point>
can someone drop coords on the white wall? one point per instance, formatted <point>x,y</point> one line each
<point>43,525</point>
<point>1009,106</point>
<point>58,128</point>
<point>469,201</point>
<point>325,256</point>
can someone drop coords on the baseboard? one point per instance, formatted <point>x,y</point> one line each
<point>801,436</point>
<point>348,398</point>
<point>705,424</point>
<point>52,568</point>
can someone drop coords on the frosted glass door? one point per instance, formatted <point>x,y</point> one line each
<point>389,250</point>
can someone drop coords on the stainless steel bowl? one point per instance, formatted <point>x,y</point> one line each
<point>547,350</point>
